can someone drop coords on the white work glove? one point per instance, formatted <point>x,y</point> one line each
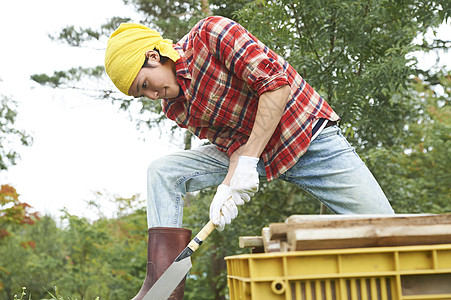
<point>244,182</point>
<point>223,209</point>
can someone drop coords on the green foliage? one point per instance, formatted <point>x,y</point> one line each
<point>171,18</point>
<point>14,217</point>
<point>415,174</point>
<point>64,78</point>
<point>78,37</point>
<point>10,136</point>
<point>354,53</point>
<point>84,259</point>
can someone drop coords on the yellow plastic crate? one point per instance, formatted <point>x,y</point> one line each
<point>388,273</point>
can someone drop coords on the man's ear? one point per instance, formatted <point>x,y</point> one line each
<point>152,55</point>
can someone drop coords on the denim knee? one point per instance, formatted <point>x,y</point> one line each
<point>156,169</point>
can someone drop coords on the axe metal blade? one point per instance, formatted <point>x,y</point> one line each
<point>167,282</point>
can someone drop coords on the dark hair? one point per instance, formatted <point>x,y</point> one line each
<point>163,60</point>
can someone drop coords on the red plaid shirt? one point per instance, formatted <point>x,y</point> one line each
<point>222,71</point>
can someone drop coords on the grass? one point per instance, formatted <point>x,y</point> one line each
<point>56,295</point>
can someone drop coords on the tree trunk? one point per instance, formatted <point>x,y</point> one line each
<point>205,7</point>
<point>218,264</point>
<point>187,141</point>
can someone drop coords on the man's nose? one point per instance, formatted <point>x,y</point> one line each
<point>153,95</point>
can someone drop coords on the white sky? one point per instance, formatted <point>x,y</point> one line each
<point>80,145</point>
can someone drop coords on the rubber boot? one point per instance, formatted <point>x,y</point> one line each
<point>164,245</point>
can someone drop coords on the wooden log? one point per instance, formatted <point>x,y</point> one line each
<point>250,241</point>
<point>270,245</point>
<point>332,231</point>
<point>368,236</point>
<point>255,243</point>
<point>312,218</point>
<point>279,230</point>
<point>308,232</point>
<point>356,220</point>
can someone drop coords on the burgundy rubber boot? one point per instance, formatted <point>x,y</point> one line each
<point>164,245</point>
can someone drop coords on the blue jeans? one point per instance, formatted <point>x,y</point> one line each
<point>330,170</point>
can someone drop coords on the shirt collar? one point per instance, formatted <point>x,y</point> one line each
<point>182,74</point>
<point>181,65</point>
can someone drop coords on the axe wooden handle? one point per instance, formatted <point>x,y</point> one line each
<point>201,236</point>
<point>198,240</point>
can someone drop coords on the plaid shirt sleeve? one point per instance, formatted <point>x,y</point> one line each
<point>242,54</point>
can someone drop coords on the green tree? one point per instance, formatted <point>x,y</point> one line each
<point>14,216</point>
<point>84,259</point>
<point>33,257</point>
<point>47,260</point>
<point>10,136</point>
<point>356,54</point>
<point>16,255</point>
<point>86,275</point>
<point>416,173</point>
<point>12,210</point>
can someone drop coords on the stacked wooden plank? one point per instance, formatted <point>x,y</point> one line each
<point>313,232</point>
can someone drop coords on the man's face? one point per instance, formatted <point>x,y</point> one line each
<point>156,80</point>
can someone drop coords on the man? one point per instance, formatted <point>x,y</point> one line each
<point>261,117</point>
